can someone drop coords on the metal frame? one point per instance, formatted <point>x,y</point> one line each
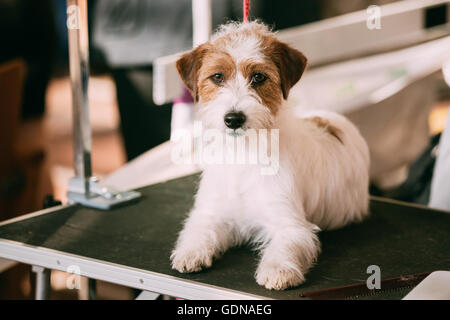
<point>147,295</point>
<point>114,273</point>
<point>48,259</point>
<point>42,282</point>
<point>111,272</point>
<point>77,26</point>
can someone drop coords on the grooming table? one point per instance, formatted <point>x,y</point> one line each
<point>131,246</point>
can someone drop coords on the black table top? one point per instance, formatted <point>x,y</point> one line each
<point>400,239</point>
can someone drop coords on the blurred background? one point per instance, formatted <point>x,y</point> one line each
<point>126,36</point>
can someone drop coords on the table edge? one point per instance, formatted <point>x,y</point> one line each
<point>119,274</point>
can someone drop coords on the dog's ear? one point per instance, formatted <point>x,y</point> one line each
<point>188,66</point>
<point>291,64</point>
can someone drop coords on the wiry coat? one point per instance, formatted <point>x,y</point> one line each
<point>322,178</point>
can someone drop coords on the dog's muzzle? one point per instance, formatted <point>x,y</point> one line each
<point>234,120</point>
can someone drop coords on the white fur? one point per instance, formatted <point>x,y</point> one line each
<point>242,47</point>
<point>321,183</point>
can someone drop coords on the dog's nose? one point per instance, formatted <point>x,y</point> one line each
<point>234,120</point>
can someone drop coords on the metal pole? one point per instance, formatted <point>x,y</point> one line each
<point>77,24</point>
<point>201,21</point>
<point>84,188</point>
<point>92,285</point>
<point>42,282</point>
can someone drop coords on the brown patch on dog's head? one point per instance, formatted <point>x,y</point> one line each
<point>291,63</point>
<point>188,66</point>
<point>281,64</point>
<point>216,62</point>
<point>198,66</point>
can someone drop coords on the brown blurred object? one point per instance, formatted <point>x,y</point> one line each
<point>24,175</point>
<point>12,76</point>
<point>438,117</point>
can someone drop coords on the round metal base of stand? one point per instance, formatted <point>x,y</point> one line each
<point>100,202</point>
<point>99,196</point>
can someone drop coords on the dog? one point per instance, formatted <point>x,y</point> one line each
<point>240,80</point>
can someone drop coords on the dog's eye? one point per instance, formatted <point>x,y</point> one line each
<point>258,78</point>
<point>217,78</point>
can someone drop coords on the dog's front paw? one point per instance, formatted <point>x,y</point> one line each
<point>275,277</point>
<point>190,259</point>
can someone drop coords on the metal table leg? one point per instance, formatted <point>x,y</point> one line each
<point>92,284</point>
<point>42,282</point>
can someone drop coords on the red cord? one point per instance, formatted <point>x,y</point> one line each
<point>246,7</point>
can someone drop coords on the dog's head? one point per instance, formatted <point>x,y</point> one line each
<point>240,78</point>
